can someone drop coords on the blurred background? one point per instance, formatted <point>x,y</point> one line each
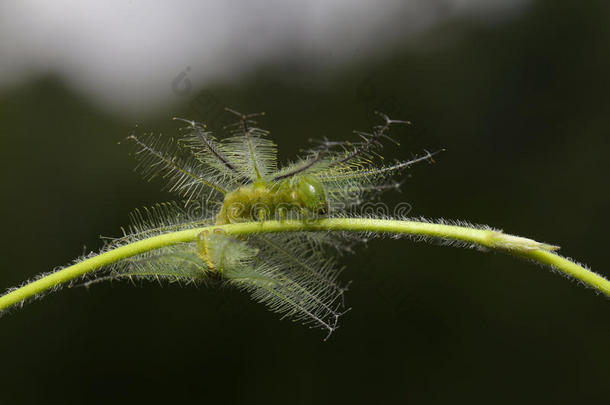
<point>516,91</point>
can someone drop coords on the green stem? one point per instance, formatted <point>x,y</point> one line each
<point>514,245</point>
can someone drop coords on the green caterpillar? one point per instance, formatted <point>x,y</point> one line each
<point>259,199</point>
<point>237,179</point>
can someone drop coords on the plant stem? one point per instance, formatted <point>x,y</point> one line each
<point>514,245</point>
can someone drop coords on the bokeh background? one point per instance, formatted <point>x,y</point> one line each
<point>516,91</point>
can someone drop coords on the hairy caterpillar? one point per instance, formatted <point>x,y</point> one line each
<point>237,179</point>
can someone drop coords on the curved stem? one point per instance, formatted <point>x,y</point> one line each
<point>514,245</point>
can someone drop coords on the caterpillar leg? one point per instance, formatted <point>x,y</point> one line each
<point>262,215</point>
<point>281,212</point>
<point>305,214</point>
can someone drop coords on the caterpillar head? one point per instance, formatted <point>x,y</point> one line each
<point>309,193</point>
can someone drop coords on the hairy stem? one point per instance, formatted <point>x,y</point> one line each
<point>514,245</point>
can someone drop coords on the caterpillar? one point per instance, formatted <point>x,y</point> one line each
<point>237,179</point>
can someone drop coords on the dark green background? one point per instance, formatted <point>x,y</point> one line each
<point>523,109</point>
